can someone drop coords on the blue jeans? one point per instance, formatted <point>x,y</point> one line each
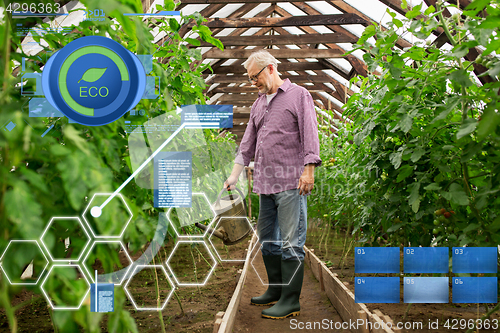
<point>282,224</point>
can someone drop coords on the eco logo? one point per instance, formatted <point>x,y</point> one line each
<point>93,80</point>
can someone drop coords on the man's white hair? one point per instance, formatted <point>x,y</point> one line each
<point>261,58</point>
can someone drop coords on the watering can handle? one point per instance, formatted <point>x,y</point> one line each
<point>217,202</point>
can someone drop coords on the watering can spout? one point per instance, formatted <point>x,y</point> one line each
<point>214,232</point>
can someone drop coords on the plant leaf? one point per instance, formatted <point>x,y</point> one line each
<point>456,195</point>
<point>414,198</point>
<point>467,127</point>
<point>92,74</point>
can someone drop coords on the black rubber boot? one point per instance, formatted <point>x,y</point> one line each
<point>273,292</point>
<point>288,305</point>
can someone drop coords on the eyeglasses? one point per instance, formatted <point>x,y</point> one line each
<point>255,78</point>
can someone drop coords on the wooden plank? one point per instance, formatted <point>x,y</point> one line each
<point>343,299</point>
<point>270,22</point>
<point>314,267</point>
<point>238,79</point>
<point>218,321</point>
<point>378,326</point>
<point>282,67</point>
<point>283,40</point>
<point>237,13</point>
<point>250,90</point>
<point>358,65</point>
<point>321,281</point>
<point>204,2</point>
<point>364,317</point>
<point>230,313</point>
<point>215,53</point>
<point>237,98</point>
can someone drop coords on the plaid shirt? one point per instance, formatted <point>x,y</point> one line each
<point>282,137</point>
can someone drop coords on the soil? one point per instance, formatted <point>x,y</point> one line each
<point>417,313</point>
<point>200,305</point>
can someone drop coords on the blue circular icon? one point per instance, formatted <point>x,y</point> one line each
<point>93,80</point>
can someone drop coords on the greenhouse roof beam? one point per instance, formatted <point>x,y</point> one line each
<point>334,19</point>
<point>283,40</point>
<point>311,11</point>
<point>307,78</point>
<point>277,53</point>
<point>288,66</point>
<point>204,2</point>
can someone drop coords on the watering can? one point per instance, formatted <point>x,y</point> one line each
<point>231,212</point>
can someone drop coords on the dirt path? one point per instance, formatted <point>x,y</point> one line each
<point>315,306</point>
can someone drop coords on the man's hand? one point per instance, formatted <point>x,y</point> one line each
<point>306,181</point>
<point>230,183</point>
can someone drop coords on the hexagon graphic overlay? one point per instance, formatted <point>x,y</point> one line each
<point>145,295</point>
<point>113,249</point>
<point>65,239</point>
<point>112,220</point>
<point>21,256</point>
<point>191,263</point>
<point>65,287</point>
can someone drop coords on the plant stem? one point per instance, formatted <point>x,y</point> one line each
<point>487,315</point>
<point>9,310</point>
<point>6,57</point>
<point>179,301</point>
<point>160,314</point>
<point>407,310</point>
<point>445,26</point>
<point>201,254</point>
<point>194,266</point>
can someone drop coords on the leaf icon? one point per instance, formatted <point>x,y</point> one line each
<point>93,74</point>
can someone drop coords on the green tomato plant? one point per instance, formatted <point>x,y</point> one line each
<point>425,134</point>
<point>56,175</point>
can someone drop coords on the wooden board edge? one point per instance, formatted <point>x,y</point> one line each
<point>227,321</point>
<point>343,299</point>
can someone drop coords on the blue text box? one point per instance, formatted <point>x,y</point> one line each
<point>376,260</point>
<point>474,260</point>
<point>474,289</point>
<point>105,297</point>
<point>173,179</point>
<point>220,116</point>
<point>426,260</point>
<point>426,290</point>
<point>376,289</point>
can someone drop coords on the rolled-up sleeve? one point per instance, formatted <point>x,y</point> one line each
<point>247,145</point>
<point>308,127</point>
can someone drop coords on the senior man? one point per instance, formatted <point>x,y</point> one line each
<point>282,137</point>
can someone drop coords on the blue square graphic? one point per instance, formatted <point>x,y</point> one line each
<point>426,260</point>
<point>475,260</point>
<point>475,290</point>
<point>376,260</point>
<point>376,289</point>
<point>426,290</point>
<point>10,126</point>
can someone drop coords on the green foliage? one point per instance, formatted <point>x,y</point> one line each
<point>57,175</point>
<point>425,136</point>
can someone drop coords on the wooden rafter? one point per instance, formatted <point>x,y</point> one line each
<point>204,2</point>
<point>277,53</point>
<point>301,61</point>
<point>308,9</point>
<point>282,67</point>
<point>335,19</point>
<point>283,40</point>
